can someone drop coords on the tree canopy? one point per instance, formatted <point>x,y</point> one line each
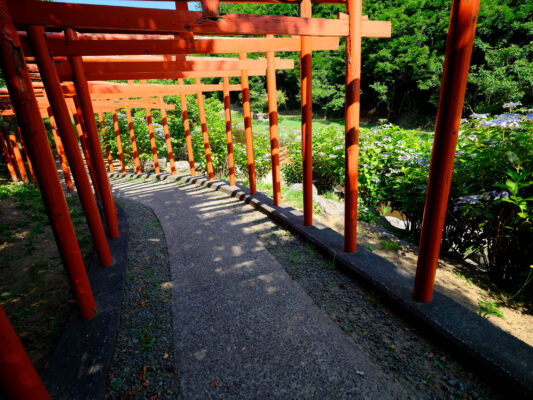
<point>402,75</point>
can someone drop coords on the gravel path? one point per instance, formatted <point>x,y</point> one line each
<point>410,359</point>
<point>143,363</point>
<point>419,365</point>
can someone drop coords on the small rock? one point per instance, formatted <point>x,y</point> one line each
<point>298,187</point>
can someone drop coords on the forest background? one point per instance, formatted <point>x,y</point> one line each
<point>401,76</point>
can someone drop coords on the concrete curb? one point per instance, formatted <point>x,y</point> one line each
<point>492,352</point>
<point>78,368</point>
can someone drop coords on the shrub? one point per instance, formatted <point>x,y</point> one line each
<point>142,138</point>
<point>489,216</point>
<point>216,129</point>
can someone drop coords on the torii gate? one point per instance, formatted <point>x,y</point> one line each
<point>106,19</point>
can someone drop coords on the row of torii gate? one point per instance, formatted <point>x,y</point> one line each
<point>55,57</point>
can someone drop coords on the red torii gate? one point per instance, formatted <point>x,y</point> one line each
<point>118,19</point>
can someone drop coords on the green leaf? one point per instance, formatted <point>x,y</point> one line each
<point>512,186</point>
<point>512,157</point>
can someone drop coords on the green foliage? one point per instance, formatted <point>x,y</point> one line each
<point>216,132</point>
<point>488,308</point>
<point>401,76</point>
<point>142,138</point>
<point>489,216</point>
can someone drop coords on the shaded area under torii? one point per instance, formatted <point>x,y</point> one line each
<point>238,317</point>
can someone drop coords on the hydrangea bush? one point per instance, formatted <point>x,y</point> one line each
<point>489,216</point>
<point>216,131</point>
<point>142,138</point>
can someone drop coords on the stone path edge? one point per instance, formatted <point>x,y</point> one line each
<point>80,363</point>
<point>498,356</point>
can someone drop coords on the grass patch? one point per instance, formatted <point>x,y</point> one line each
<point>488,308</point>
<point>386,244</point>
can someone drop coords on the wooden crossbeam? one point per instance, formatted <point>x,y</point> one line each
<point>126,65</point>
<point>59,47</point>
<point>93,18</point>
<point>269,1</point>
<point>126,69</point>
<point>121,91</point>
<point>98,105</point>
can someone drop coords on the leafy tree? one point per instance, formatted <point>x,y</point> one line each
<point>402,75</point>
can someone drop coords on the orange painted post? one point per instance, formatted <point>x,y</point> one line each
<point>104,137</point>
<point>19,379</point>
<point>60,151</point>
<point>30,167</point>
<point>273,119</point>
<point>12,155</point>
<point>18,156</point>
<point>229,133</point>
<point>119,141</point>
<point>82,88</point>
<point>205,136</point>
<point>88,147</point>
<point>28,115</point>
<point>306,60</point>
<point>65,129</point>
<point>167,136</point>
<point>210,9</point>
<point>247,114</point>
<point>7,158</point>
<point>352,108</point>
<point>187,128</point>
<point>88,161</point>
<point>461,32</point>
<point>152,136</point>
<point>133,142</point>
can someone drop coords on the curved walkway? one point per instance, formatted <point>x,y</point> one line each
<point>242,327</point>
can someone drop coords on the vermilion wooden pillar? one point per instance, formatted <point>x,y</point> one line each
<point>134,149</point>
<point>210,8</point>
<point>205,136</point>
<point>30,167</point>
<point>11,154</point>
<point>152,136</point>
<point>461,32</point>
<point>168,143</point>
<point>19,379</point>
<point>22,96</point>
<point>247,114</point>
<point>152,139</point>
<point>60,151</point>
<point>63,123</point>
<point>187,128</point>
<point>18,156</point>
<point>82,89</point>
<point>119,141</point>
<point>229,133</point>
<point>354,8</point>
<point>87,145</point>
<point>88,159</point>
<point>182,6</point>
<point>7,158</point>
<point>307,117</point>
<point>104,137</point>
<point>273,119</point>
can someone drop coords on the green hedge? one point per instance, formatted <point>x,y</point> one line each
<point>489,214</point>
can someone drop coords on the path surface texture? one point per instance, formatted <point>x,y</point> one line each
<point>242,327</point>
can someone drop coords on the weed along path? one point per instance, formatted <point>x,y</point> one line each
<point>242,326</point>
<point>257,311</point>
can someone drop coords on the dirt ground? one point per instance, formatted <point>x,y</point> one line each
<point>456,280</point>
<point>34,289</point>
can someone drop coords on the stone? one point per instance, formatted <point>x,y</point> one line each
<point>330,207</point>
<point>298,187</point>
<point>182,165</point>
